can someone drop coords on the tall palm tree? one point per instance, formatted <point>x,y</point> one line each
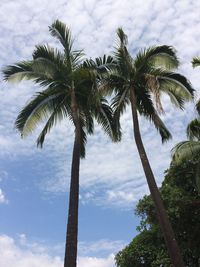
<point>69,92</point>
<point>139,81</point>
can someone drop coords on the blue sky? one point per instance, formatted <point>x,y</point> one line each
<point>34,183</point>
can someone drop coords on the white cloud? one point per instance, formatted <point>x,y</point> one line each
<point>13,255</point>
<point>100,247</point>
<point>21,253</point>
<point>3,199</point>
<point>110,171</point>
<point>96,262</point>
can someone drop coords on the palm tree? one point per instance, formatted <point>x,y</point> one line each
<point>139,81</point>
<point>189,150</point>
<point>196,62</point>
<point>69,92</point>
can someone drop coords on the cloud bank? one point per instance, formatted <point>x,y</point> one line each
<point>21,253</point>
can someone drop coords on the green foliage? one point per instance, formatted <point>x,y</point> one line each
<point>190,150</point>
<point>196,62</point>
<point>182,201</point>
<point>193,130</point>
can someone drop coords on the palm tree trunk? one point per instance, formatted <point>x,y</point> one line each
<point>172,246</point>
<point>72,224</point>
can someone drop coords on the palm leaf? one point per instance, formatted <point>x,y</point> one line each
<point>63,34</point>
<point>39,108</point>
<point>196,62</point>
<point>193,130</point>
<point>146,108</point>
<point>198,107</point>
<point>100,65</point>
<point>120,101</point>
<point>185,150</point>
<point>160,126</point>
<point>104,117</point>
<point>176,84</point>
<point>20,71</point>
<point>158,56</point>
<point>123,39</point>
<point>59,112</point>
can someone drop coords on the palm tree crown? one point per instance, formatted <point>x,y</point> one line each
<point>150,73</point>
<point>60,74</point>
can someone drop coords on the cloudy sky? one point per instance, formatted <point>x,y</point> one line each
<point>34,183</point>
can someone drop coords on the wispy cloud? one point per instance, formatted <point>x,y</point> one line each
<point>96,262</point>
<point>3,176</point>
<point>101,247</point>
<point>3,199</point>
<point>13,255</point>
<point>21,252</point>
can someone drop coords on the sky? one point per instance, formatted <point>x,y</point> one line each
<point>34,183</point>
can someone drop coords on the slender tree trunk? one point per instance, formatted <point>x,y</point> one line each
<point>172,246</point>
<point>72,224</point>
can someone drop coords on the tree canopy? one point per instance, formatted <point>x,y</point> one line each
<point>182,201</point>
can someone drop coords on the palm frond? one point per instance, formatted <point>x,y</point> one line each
<point>101,64</point>
<point>51,55</point>
<point>19,71</point>
<point>146,108</point>
<point>120,101</point>
<point>160,126</point>
<point>177,85</point>
<point>193,130</point>
<point>123,39</point>
<point>122,57</point>
<point>63,34</point>
<point>198,107</point>
<point>89,123</point>
<point>39,108</point>
<point>196,62</point>
<point>158,56</point>
<point>104,117</point>
<point>58,114</point>
<point>185,150</point>
<point>29,70</point>
<point>77,57</point>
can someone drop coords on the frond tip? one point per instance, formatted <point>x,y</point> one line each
<point>59,30</point>
<point>19,71</point>
<point>196,62</point>
<point>122,37</point>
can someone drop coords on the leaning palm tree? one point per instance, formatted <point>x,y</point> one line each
<point>69,92</point>
<point>139,81</point>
